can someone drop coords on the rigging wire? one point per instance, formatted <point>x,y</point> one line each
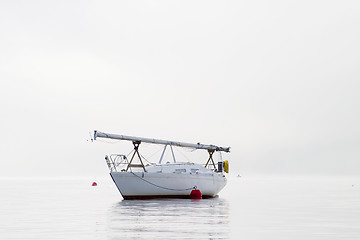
<point>142,157</point>
<point>146,159</point>
<point>153,154</point>
<point>178,150</point>
<point>130,153</point>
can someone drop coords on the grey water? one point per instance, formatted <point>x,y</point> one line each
<point>248,208</point>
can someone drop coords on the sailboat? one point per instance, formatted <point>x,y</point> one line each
<point>165,180</point>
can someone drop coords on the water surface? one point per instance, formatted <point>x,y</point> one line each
<point>248,208</point>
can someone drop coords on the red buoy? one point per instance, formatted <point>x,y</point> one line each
<point>94,184</point>
<point>195,194</point>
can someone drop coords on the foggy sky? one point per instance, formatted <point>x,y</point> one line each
<point>278,81</point>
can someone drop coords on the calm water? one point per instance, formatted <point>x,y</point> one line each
<point>248,208</point>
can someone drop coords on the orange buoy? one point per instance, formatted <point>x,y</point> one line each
<point>94,184</point>
<point>195,194</point>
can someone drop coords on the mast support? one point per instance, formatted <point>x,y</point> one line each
<point>211,152</point>
<point>136,152</point>
<point>162,155</point>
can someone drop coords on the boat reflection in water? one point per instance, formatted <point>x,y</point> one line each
<point>169,219</point>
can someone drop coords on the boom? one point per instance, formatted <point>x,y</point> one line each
<point>163,142</point>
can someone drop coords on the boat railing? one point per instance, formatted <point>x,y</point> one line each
<point>116,161</point>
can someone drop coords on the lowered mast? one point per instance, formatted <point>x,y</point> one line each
<point>158,141</point>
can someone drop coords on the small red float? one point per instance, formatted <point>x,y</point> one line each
<point>94,184</point>
<point>195,194</point>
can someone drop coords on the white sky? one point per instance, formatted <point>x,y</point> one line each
<point>278,81</point>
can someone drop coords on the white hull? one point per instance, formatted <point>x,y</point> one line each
<point>140,185</point>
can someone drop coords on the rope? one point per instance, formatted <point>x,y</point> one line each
<point>172,189</point>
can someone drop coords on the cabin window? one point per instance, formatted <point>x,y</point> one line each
<point>194,170</point>
<point>180,170</point>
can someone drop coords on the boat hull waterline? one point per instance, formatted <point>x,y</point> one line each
<point>144,185</point>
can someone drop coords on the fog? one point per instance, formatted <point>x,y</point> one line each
<point>278,81</point>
